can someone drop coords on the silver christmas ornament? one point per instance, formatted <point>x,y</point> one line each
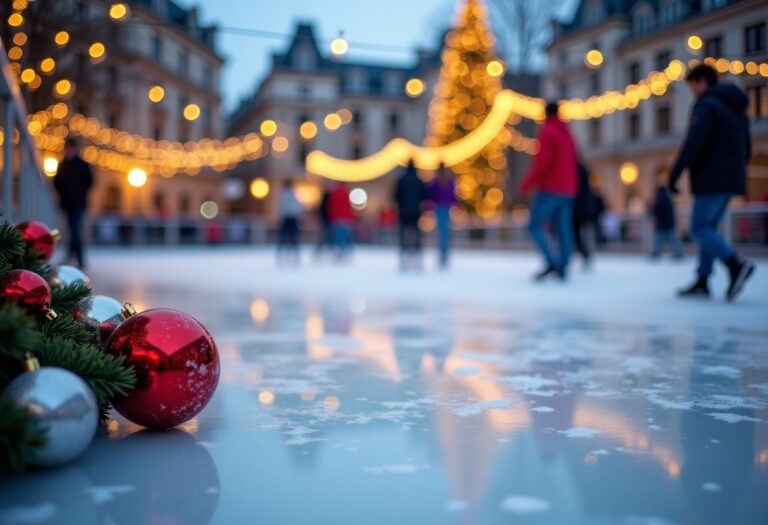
<point>101,313</point>
<point>63,404</point>
<point>64,275</point>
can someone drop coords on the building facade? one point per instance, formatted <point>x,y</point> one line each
<point>161,44</point>
<point>635,38</point>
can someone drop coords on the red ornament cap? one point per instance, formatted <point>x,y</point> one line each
<point>28,290</point>
<point>39,237</point>
<point>176,363</point>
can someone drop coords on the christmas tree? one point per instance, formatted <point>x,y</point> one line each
<point>468,83</point>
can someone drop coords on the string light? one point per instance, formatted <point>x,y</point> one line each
<point>62,88</point>
<point>280,144</point>
<point>119,12</point>
<point>259,188</point>
<point>268,128</point>
<point>339,46</point>
<point>628,173</point>
<point>15,53</point>
<point>332,122</point>
<point>47,65</point>
<point>191,111</point>
<point>15,20</point>
<point>156,93</point>
<point>495,68</point>
<point>137,177</point>
<point>414,87</point>
<point>50,166</point>
<point>308,130</point>
<point>61,38</point>
<point>20,39</point>
<point>593,58</point>
<point>97,50</point>
<point>694,43</point>
<point>28,75</point>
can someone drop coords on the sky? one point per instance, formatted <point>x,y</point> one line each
<point>399,26</point>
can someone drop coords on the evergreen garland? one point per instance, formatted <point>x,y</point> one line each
<point>61,342</point>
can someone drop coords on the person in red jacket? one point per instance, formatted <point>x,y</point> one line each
<point>554,173</point>
<point>341,216</point>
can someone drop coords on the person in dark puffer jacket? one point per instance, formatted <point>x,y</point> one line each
<point>715,152</point>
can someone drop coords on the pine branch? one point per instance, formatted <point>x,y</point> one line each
<point>66,297</point>
<point>20,437</point>
<point>107,375</point>
<point>18,334</point>
<point>11,243</point>
<point>65,327</point>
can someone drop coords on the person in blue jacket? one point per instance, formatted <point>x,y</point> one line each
<point>715,152</point>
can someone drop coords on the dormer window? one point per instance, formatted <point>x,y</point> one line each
<point>670,12</point>
<point>593,12</point>
<point>642,19</point>
<point>304,58</point>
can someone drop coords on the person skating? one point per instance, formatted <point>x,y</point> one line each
<point>553,173</point>
<point>72,182</point>
<point>290,210</point>
<point>342,217</point>
<point>715,151</point>
<point>663,213</point>
<point>586,213</point>
<point>442,193</point>
<point>410,193</point>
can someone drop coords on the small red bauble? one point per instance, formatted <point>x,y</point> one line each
<point>28,290</point>
<point>39,237</point>
<point>176,363</point>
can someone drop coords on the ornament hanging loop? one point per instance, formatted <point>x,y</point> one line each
<point>127,311</point>
<point>31,363</point>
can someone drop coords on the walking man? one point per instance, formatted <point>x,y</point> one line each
<point>715,152</point>
<point>72,182</point>
<point>554,173</point>
<point>663,212</point>
<point>442,193</point>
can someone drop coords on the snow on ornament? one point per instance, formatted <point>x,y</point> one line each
<point>176,363</point>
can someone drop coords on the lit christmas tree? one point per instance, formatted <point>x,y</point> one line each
<point>470,78</point>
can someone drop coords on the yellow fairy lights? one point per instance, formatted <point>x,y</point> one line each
<point>15,53</point>
<point>268,128</point>
<point>28,75</point>
<point>339,46</point>
<point>414,87</point>
<point>593,58</point>
<point>694,43</point>
<point>47,65</point>
<point>259,188</point>
<point>97,50</point>
<point>137,177</point>
<point>156,93</point>
<point>628,173</point>
<point>15,20</point>
<point>495,68</point>
<point>118,12</point>
<point>61,38</point>
<point>62,88</point>
<point>20,39</point>
<point>332,122</point>
<point>50,166</point>
<point>308,130</point>
<point>191,111</point>
<point>280,144</point>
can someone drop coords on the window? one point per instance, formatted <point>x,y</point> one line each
<point>754,39</point>
<point>183,62</point>
<point>374,84</point>
<point>706,5</point>
<point>662,60</point>
<point>157,49</point>
<point>670,12</point>
<point>112,120</point>
<point>713,47</point>
<point>394,121</point>
<point>758,102</point>
<point>208,76</point>
<point>593,12</point>
<point>304,91</point>
<point>594,131</point>
<point>634,125</point>
<point>304,58</point>
<point>633,73</point>
<point>642,19</point>
<point>184,204</point>
<point>663,124</point>
<point>595,82</point>
<point>158,203</point>
<point>157,132</point>
<point>356,81</point>
<point>357,120</point>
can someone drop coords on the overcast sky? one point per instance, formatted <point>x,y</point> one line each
<point>402,25</point>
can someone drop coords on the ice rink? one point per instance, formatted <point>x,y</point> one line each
<point>354,394</point>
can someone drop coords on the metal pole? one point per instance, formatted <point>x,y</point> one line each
<point>8,159</point>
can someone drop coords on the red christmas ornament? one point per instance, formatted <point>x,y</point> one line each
<point>37,236</point>
<point>28,290</point>
<point>176,363</point>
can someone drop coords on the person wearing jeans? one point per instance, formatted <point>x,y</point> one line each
<point>442,194</point>
<point>554,173</point>
<point>72,182</point>
<point>663,212</point>
<point>715,152</point>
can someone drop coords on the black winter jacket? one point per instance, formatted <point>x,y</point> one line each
<point>72,182</point>
<point>410,193</point>
<point>663,210</point>
<point>718,146</point>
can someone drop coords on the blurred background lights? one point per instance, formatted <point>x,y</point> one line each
<point>259,188</point>
<point>414,87</point>
<point>339,46</point>
<point>63,87</point>
<point>47,65</point>
<point>495,68</point>
<point>358,197</point>
<point>97,50</point>
<point>61,38</point>
<point>191,111</point>
<point>119,12</point>
<point>308,130</point>
<point>694,43</point>
<point>593,58</point>
<point>628,173</point>
<point>268,128</point>
<point>259,311</point>
<point>50,166</point>
<point>137,177</point>
<point>332,121</point>
<point>15,20</point>
<point>156,93</point>
<point>280,144</point>
<point>209,210</point>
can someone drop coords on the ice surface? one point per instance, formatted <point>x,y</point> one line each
<point>356,394</point>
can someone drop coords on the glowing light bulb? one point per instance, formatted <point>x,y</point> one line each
<point>118,12</point>
<point>339,46</point>
<point>308,130</point>
<point>28,75</point>
<point>495,68</point>
<point>15,20</point>
<point>63,87</point>
<point>694,43</point>
<point>332,121</point>
<point>414,87</point>
<point>97,50</point>
<point>259,188</point>
<point>628,173</point>
<point>156,93</point>
<point>50,166</point>
<point>593,58</point>
<point>191,111</point>
<point>209,210</point>
<point>137,177</point>
<point>47,65</point>
<point>268,128</point>
<point>61,38</point>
